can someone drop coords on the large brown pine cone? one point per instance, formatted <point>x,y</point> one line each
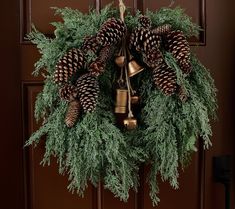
<point>88,92</point>
<point>111,32</point>
<point>143,40</point>
<point>68,92</point>
<point>90,44</point>
<point>165,79</point>
<point>68,65</point>
<point>177,44</point>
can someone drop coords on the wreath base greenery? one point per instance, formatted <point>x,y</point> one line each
<point>95,149</point>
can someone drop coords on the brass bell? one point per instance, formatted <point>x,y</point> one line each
<point>130,123</point>
<point>134,68</point>
<point>120,61</point>
<point>121,101</point>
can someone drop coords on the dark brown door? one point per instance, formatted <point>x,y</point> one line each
<point>27,185</point>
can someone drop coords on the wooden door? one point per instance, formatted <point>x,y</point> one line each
<point>27,185</point>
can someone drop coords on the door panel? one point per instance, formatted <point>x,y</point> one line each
<point>195,9</point>
<point>41,14</point>
<point>46,189</point>
<point>190,183</point>
<point>50,189</point>
<point>192,7</point>
<point>109,201</point>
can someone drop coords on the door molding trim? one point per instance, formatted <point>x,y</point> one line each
<point>28,177</point>
<point>26,19</point>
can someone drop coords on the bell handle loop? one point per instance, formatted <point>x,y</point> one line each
<point>121,82</point>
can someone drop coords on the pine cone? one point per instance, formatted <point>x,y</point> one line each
<point>183,95</point>
<point>68,65</point>
<point>143,40</point>
<point>68,92</point>
<point>177,44</point>
<point>105,54</point>
<point>153,58</point>
<point>72,113</point>
<point>144,21</point>
<point>88,90</point>
<point>96,68</point>
<point>163,29</point>
<point>111,32</point>
<point>165,79</point>
<point>90,44</point>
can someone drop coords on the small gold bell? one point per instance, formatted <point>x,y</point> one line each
<point>121,101</point>
<point>135,99</point>
<point>120,61</point>
<point>134,68</point>
<point>130,123</point>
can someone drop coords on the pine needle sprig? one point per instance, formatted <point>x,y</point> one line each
<point>176,18</point>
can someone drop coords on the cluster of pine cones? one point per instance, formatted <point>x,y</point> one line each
<point>81,91</point>
<point>148,41</point>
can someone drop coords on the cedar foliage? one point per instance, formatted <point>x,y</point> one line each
<point>95,149</point>
<point>172,127</point>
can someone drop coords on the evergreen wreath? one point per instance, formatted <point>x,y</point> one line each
<point>86,62</point>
